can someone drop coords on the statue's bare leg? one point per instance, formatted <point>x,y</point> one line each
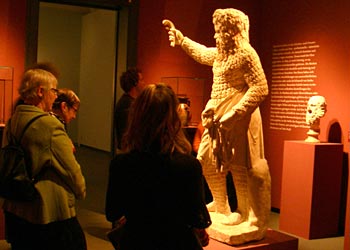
<point>259,185</point>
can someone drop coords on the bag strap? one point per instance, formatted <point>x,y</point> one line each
<point>28,124</point>
<point>19,141</point>
<point>25,127</point>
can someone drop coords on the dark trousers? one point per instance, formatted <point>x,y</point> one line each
<point>59,235</point>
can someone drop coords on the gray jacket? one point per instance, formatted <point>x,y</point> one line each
<point>59,177</point>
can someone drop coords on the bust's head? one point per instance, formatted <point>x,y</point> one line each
<point>316,108</point>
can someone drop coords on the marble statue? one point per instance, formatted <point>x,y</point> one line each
<point>316,109</point>
<point>232,143</point>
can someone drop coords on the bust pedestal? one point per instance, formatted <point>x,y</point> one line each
<point>311,189</point>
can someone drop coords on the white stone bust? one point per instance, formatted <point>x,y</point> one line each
<point>316,109</point>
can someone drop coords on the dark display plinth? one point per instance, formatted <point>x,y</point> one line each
<point>2,225</point>
<point>273,240</point>
<point>311,189</point>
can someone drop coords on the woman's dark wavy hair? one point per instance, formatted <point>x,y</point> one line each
<point>68,96</point>
<point>154,124</point>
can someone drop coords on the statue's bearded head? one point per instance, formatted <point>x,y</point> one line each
<point>231,28</point>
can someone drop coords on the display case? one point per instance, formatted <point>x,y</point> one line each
<point>6,93</point>
<point>6,107</point>
<point>192,90</point>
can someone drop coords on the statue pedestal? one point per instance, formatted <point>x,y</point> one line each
<point>311,189</point>
<point>273,240</point>
<point>234,234</point>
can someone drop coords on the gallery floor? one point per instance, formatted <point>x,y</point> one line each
<point>90,211</point>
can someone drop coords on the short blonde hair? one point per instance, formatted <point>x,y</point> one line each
<point>31,80</point>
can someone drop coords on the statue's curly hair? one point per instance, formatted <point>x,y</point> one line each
<point>234,24</point>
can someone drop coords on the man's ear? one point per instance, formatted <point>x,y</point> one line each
<point>40,92</point>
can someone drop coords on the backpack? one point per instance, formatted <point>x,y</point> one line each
<point>16,182</point>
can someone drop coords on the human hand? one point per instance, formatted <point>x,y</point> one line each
<point>175,36</point>
<point>207,118</point>
<point>202,236</point>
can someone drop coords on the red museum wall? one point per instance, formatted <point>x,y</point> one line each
<point>272,22</point>
<point>12,47</point>
<point>13,37</point>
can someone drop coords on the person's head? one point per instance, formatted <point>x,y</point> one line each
<point>66,105</point>
<point>316,109</point>
<point>231,28</point>
<point>154,123</point>
<point>131,81</point>
<point>38,88</point>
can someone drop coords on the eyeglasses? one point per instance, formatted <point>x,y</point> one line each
<point>75,109</point>
<point>55,91</point>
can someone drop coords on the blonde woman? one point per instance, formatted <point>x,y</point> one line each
<point>50,221</point>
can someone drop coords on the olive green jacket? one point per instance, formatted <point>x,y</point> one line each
<point>59,177</point>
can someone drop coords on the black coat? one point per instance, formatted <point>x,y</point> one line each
<point>121,117</point>
<point>162,198</point>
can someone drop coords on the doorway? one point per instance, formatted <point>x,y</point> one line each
<point>89,47</point>
<point>81,43</point>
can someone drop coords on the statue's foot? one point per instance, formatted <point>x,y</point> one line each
<point>232,219</point>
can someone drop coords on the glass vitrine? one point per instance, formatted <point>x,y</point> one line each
<point>190,89</point>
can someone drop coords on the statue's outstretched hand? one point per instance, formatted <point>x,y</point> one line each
<point>175,36</point>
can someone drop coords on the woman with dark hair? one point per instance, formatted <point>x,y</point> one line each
<point>156,183</point>
<point>66,105</point>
